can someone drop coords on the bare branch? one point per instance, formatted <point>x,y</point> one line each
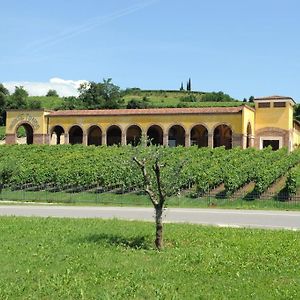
<point>158,181</point>
<point>147,181</point>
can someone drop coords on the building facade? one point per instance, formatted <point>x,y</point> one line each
<point>270,122</point>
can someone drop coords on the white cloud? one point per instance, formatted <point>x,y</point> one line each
<point>63,87</point>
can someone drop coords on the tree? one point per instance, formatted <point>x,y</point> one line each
<point>34,104</point>
<point>245,100</point>
<point>181,87</point>
<point>251,99</point>
<point>189,85</point>
<point>71,102</point>
<point>161,176</point>
<point>4,93</point>
<point>216,97</point>
<point>100,95</point>
<point>52,93</point>
<point>18,99</point>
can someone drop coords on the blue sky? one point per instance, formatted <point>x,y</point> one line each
<point>243,48</point>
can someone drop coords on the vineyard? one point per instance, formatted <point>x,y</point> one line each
<point>194,171</point>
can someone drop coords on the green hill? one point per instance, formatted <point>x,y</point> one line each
<point>154,98</point>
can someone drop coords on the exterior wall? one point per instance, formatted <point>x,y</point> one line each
<point>296,135</point>
<point>276,122</point>
<point>210,121</point>
<point>278,117</point>
<point>265,122</point>
<point>248,118</point>
<point>35,118</point>
<point>283,135</point>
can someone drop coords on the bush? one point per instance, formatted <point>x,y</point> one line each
<point>188,98</point>
<point>52,93</point>
<point>216,97</point>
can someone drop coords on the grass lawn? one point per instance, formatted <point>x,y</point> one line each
<point>100,259</point>
<point>2,132</point>
<point>133,199</point>
<point>48,102</point>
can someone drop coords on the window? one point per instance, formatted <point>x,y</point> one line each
<point>273,143</point>
<point>279,104</point>
<point>264,104</point>
<point>276,142</point>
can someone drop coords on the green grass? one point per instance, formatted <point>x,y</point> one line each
<point>48,102</point>
<point>156,99</point>
<point>133,199</point>
<point>2,132</point>
<point>97,259</point>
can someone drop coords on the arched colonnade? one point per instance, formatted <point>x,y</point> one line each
<point>174,135</point>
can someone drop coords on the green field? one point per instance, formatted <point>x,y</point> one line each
<point>2,132</point>
<point>96,259</point>
<point>154,99</point>
<point>48,102</point>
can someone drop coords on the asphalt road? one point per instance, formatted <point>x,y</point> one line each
<point>217,217</point>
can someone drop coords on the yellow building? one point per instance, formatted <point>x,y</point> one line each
<point>269,123</point>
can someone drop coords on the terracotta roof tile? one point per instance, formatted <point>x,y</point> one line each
<point>149,111</point>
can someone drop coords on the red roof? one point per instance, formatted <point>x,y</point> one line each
<point>149,111</point>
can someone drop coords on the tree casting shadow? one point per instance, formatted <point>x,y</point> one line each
<point>138,242</point>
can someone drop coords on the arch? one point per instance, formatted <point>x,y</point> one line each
<point>199,136</point>
<point>176,136</point>
<point>75,135</point>
<point>223,136</point>
<point>249,134</point>
<point>94,136</point>
<point>113,135</point>
<point>133,135</point>
<point>28,132</point>
<point>155,135</point>
<point>56,135</point>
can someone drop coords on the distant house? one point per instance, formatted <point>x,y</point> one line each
<point>269,123</point>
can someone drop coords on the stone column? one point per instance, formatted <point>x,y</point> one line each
<point>244,141</point>
<point>165,139</point>
<point>66,138</point>
<point>103,139</point>
<point>252,139</point>
<point>210,140</point>
<point>123,138</point>
<point>144,138</point>
<point>187,142</point>
<point>84,139</point>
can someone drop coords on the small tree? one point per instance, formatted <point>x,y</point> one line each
<point>52,93</point>
<point>251,99</point>
<point>189,85</point>
<point>181,87</point>
<point>160,180</point>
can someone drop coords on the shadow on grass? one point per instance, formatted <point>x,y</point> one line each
<point>138,242</point>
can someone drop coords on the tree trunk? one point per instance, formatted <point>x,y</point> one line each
<point>159,228</point>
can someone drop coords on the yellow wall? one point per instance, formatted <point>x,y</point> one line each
<point>36,118</point>
<point>210,121</point>
<point>248,117</point>
<point>279,117</point>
